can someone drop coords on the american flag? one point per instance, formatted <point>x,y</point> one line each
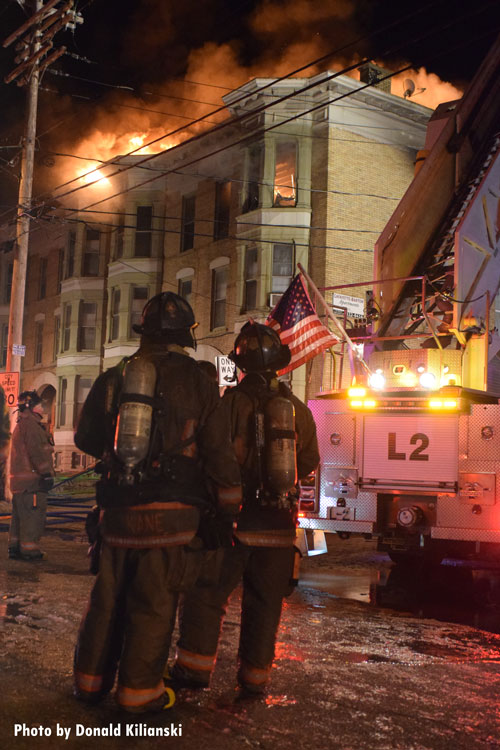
<point>298,325</point>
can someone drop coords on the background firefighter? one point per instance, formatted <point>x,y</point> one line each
<point>4,439</point>
<point>31,477</point>
<point>151,507</point>
<point>263,554</point>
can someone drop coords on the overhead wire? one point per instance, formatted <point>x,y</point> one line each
<point>274,81</point>
<point>253,113</point>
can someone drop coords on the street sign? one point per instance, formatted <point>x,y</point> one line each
<point>226,370</point>
<point>355,306</point>
<point>10,384</point>
<point>19,350</point>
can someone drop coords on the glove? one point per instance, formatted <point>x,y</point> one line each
<point>216,531</point>
<point>46,483</point>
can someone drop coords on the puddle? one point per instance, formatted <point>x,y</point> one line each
<point>345,585</point>
<point>460,593</point>
<point>14,613</point>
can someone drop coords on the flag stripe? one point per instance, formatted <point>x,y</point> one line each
<point>299,327</point>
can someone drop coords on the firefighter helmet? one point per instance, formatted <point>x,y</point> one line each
<point>165,313</point>
<point>258,348</point>
<point>28,399</point>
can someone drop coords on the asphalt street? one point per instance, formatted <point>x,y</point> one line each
<point>368,657</point>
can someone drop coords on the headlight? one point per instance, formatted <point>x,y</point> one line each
<point>377,380</point>
<point>428,380</point>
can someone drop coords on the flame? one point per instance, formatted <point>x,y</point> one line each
<point>90,177</point>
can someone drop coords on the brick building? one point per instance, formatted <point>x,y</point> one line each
<point>307,175</point>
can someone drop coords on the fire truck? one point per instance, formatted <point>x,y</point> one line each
<point>410,454</point>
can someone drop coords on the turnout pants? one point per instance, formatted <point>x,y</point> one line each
<point>129,623</point>
<point>27,522</point>
<point>266,573</point>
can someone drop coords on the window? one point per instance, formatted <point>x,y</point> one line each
<point>76,460</point>
<point>143,233</point>
<point>63,393</point>
<point>250,281</point>
<point>87,325</point>
<point>83,386</point>
<point>285,179</point>
<point>66,337</point>
<point>219,291</point>
<point>120,233</point>
<point>70,257</point>
<point>38,342</point>
<point>187,223</point>
<point>90,265</point>
<point>255,163</point>
<point>222,206</point>
<point>139,299</point>
<point>57,333</point>
<point>60,270</point>
<point>186,289</point>
<point>114,328</point>
<point>283,264</point>
<point>4,333</point>
<point>42,279</point>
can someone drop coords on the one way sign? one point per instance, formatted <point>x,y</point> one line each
<point>226,370</point>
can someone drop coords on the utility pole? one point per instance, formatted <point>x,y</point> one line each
<point>33,59</point>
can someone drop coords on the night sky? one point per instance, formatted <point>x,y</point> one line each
<point>157,46</point>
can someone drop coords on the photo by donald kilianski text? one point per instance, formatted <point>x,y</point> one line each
<point>110,730</point>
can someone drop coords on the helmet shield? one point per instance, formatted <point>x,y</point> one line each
<point>165,313</point>
<point>258,348</point>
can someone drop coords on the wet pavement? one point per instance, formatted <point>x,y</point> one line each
<point>369,656</point>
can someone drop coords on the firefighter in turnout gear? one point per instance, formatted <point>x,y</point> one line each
<point>4,439</point>
<point>167,461</point>
<point>274,437</point>
<point>31,477</point>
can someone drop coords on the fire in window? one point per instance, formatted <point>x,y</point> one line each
<point>285,174</point>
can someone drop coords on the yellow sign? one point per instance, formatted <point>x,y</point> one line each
<point>9,381</point>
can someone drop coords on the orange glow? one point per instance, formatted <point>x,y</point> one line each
<point>89,177</point>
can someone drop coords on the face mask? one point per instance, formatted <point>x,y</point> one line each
<point>38,409</point>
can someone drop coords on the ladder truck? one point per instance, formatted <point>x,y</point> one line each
<point>410,454</point>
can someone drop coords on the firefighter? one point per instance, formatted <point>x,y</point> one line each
<point>31,477</point>
<point>263,552</point>
<point>154,422</point>
<point>4,439</point>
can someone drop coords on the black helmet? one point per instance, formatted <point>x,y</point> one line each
<point>28,399</point>
<point>258,348</point>
<point>165,313</point>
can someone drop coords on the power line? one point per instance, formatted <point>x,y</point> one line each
<point>282,78</point>
<point>260,109</point>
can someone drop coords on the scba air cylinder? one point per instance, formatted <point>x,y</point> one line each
<point>281,464</point>
<point>133,428</point>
